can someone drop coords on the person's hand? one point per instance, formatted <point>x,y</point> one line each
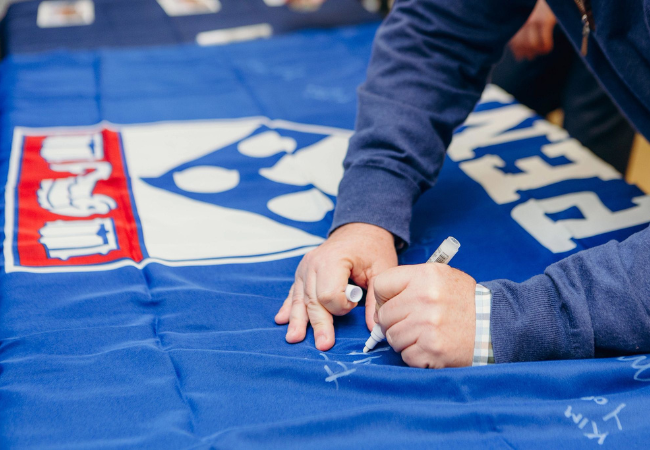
<point>305,5</point>
<point>358,251</point>
<point>427,313</point>
<point>535,38</point>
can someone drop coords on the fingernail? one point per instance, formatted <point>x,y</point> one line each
<point>320,340</point>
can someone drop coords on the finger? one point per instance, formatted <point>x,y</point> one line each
<point>282,316</point>
<point>329,289</point>
<point>309,287</point>
<point>534,42</point>
<point>546,39</point>
<point>394,311</point>
<point>401,335</point>
<point>390,283</point>
<point>298,318</point>
<point>516,44</point>
<point>378,268</point>
<point>323,324</point>
<point>370,305</point>
<point>526,41</point>
<point>415,357</point>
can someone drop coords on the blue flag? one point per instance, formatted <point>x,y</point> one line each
<point>157,204</point>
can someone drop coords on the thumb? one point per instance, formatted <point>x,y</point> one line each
<point>378,268</point>
<point>389,284</point>
<point>370,305</point>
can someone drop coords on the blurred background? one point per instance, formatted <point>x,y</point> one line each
<point>524,70</point>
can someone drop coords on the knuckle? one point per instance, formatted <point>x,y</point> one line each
<point>380,314</point>
<point>336,302</point>
<point>421,364</point>
<point>342,310</point>
<point>295,317</point>
<point>433,346</point>
<point>407,358</point>
<point>413,359</point>
<point>309,256</point>
<point>316,313</point>
<point>431,272</point>
<point>379,282</point>
<point>327,297</point>
<point>297,297</point>
<point>431,294</point>
<point>313,308</point>
<point>310,298</point>
<point>390,337</point>
<point>434,321</point>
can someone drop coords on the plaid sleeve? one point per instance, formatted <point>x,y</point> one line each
<point>483,353</point>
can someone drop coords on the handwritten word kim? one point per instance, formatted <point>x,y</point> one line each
<point>594,433</point>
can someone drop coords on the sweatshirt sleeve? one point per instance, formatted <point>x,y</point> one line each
<point>429,65</point>
<point>595,303</point>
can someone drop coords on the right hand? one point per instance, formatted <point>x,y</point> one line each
<point>356,251</point>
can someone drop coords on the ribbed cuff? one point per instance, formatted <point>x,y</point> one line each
<point>529,322</point>
<point>374,195</point>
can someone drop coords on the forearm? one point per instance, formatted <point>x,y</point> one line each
<point>594,303</point>
<point>430,62</point>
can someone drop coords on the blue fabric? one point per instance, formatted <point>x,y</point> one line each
<point>189,356</point>
<point>121,23</point>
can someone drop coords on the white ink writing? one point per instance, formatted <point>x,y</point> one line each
<point>334,376</point>
<point>614,414</point>
<point>597,400</point>
<point>596,435</point>
<point>636,364</point>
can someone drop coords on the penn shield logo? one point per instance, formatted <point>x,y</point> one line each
<point>177,193</point>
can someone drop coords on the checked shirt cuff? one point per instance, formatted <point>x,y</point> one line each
<point>483,353</point>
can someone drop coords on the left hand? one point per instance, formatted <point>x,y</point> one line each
<point>427,313</point>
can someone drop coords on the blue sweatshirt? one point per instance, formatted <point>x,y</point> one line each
<point>430,63</point>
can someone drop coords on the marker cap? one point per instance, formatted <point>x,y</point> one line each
<point>446,251</point>
<point>353,293</point>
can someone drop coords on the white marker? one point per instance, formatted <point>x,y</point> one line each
<point>443,255</point>
<point>353,293</point>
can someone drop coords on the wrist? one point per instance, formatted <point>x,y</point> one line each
<point>364,229</point>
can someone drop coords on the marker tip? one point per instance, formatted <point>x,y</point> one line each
<point>366,349</point>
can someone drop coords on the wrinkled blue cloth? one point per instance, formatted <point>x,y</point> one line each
<point>167,356</point>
